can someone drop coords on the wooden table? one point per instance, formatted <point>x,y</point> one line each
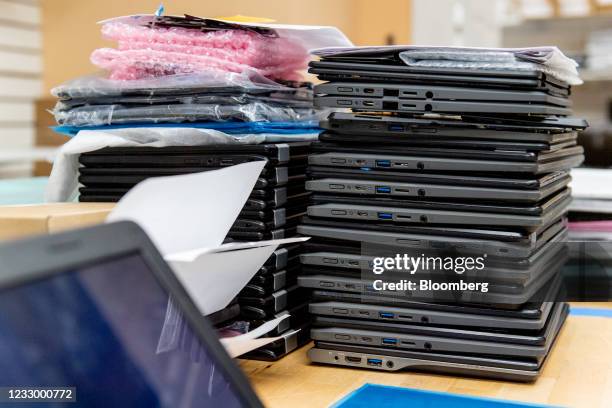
<point>578,373</point>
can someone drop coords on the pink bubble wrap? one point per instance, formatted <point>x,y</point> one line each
<point>150,52</point>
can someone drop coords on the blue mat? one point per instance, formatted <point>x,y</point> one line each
<point>590,311</point>
<point>234,128</point>
<point>383,396</point>
<point>23,191</point>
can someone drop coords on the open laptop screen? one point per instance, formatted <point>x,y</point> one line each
<point>110,331</point>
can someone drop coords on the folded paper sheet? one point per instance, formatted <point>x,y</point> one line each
<point>214,278</point>
<point>182,213</point>
<point>239,345</point>
<point>188,217</point>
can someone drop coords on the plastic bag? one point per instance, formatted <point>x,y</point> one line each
<point>150,51</point>
<point>210,81</point>
<point>219,98</point>
<point>230,128</point>
<point>309,36</point>
<point>95,115</point>
<point>240,46</point>
<point>493,60</point>
<point>545,59</point>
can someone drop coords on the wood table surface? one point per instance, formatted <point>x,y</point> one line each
<point>577,373</point>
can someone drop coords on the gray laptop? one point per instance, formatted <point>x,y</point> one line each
<point>386,359</point>
<point>425,163</point>
<point>375,212</point>
<point>399,105</point>
<point>437,93</point>
<point>386,188</point>
<point>448,343</point>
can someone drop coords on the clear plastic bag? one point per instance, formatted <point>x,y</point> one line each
<point>222,99</point>
<point>494,60</point>
<point>97,115</point>
<point>545,59</point>
<point>251,82</point>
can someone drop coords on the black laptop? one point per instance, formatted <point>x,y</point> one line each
<point>98,310</point>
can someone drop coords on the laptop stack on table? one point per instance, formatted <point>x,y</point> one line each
<point>273,293</point>
<point>439,162</point>
<point>277,203</point>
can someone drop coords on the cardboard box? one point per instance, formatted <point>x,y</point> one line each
<point>44,118</point>
<point>29,220</point>
<point>42,169</point>
<point>47,137</point>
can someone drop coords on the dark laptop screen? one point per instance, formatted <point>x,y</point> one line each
<point>110,331</point>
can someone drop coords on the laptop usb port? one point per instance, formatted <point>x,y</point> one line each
<point>386,315</point>
<point>351,359</point>
<point>226,162</point>
<point>396,128</point>
<point>376,362</point>
<point>389,341</point>
<point>383,189</point>
<point>383,163</point>
<point>385,216</point>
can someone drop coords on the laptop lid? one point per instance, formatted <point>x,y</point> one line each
<point>99,310</point>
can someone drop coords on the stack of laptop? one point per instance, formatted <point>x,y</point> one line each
<point>273,210</point>
<point>273,293</point>
<point>87,102</point>
<point>433,163</point>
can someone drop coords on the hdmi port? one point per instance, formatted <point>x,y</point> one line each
<point>406,317</point>
<point>350,359</point>
<point>403,217</point>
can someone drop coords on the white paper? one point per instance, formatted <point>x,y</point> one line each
<point>214,279</point>
<point>182,213</point>
<point>214,276</point>
<point>239,345</point>
<point>189,256</point>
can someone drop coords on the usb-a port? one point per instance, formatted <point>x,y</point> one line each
<point>383,163</point>
<point>389,341</point>
<point>385,216</point>
<point>386,315</point>
<point>376,362</point>
<point>396,128</point>
<point>383,189</point>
